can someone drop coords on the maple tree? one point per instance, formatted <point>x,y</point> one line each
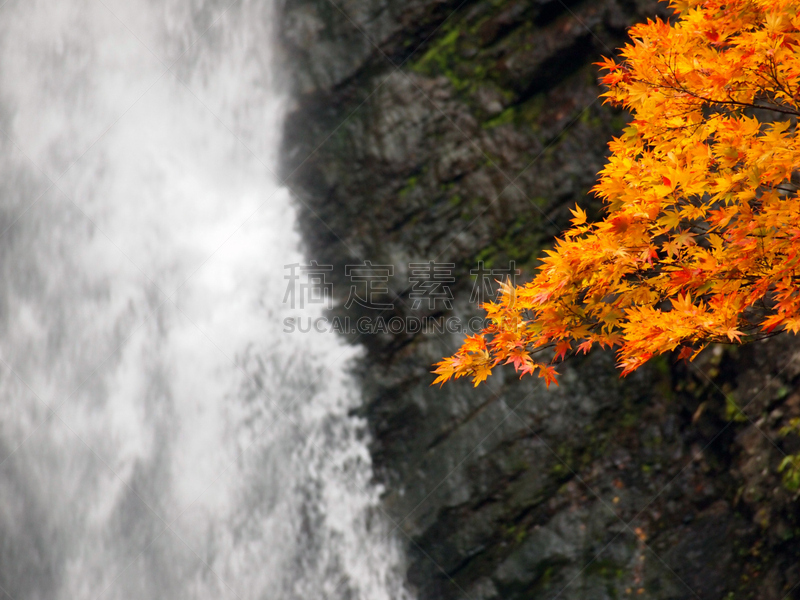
<point>700,242</point>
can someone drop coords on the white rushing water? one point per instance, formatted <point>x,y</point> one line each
<point>159,436</point>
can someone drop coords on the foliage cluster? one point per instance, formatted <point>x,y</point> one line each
<point>700,242</point>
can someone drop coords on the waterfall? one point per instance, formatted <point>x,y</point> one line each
<point>160,436</point>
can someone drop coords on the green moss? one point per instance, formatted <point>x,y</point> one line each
<point>521,242</point>
<point>732,410</point>
<point>608,571</point>
<point>547,575</point>
<point>439,54</point>
<point>661,364</point>
<point>486,256</point>
<point>505,117</point>
<point>531,110</point>
<point>456,53</point>
<point>527,113</point>
<point>514,533</point>
<point>443,58</point>
<point>618,122</point>
<point>411,183</point>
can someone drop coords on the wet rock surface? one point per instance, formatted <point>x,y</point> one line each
<point>463,131</point>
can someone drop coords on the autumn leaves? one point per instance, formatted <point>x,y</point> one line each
<point>701,240</point>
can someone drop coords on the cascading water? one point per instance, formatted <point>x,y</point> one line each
<point>160,436</point>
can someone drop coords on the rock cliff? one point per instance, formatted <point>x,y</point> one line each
<point>460,132</point>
